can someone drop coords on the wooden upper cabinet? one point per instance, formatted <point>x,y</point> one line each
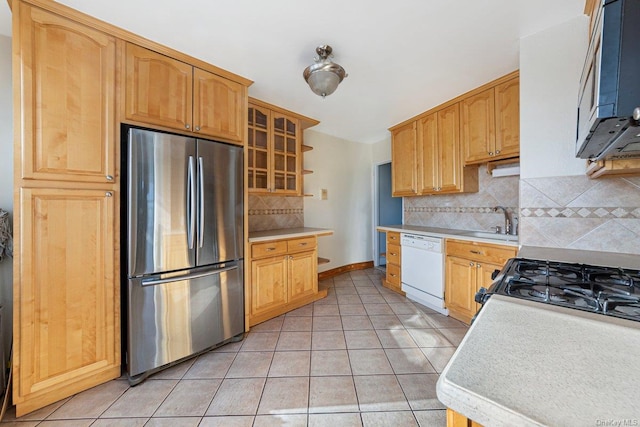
<point>478,126</point>
<point>159,89</point>
<point>428,153</point>
<point>449,159</point>
<point>286,158</point>
<point>508,118</point>
<point>67,86</point>
<point>274,149</point>
<point>404,161</point>
<point>218,106</point>
<point>67,317</point>
<point>491,122</point>
<point>169,93</point>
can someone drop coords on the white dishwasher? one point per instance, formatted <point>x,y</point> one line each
<point>422,264</point>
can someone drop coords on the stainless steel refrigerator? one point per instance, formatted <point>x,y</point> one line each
<point>185,248</point>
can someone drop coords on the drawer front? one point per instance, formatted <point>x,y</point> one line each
<point>393,254</point>
<point>260,250</point>
<point>393,238</point>
<point>393,274</point>
<point>496,254</point>
<point>303,244</point>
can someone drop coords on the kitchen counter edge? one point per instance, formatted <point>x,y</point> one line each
<point>445,233</point>
<point>287,233</point>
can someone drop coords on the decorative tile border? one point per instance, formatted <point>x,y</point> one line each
<point>275,211</point>
<point>581,212</point>
<point>455,209</point>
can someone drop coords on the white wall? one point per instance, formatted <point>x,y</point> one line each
<point>6,181</point>
<point>381,151</point>
<point>550,66</point>
<point>344,169</point>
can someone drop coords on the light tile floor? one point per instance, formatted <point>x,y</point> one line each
<point>363,356</point>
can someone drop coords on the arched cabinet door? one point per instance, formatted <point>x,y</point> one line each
<point>67,84</point>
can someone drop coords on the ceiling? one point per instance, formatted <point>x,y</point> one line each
<point>403,57</point>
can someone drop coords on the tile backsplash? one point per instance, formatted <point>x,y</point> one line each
<point>578,213</point>
<point>472,211</point>
<point>273,212</point>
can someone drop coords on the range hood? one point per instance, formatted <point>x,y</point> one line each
<point>609,102</point>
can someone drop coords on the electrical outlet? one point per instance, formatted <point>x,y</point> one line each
<point>323,194</point>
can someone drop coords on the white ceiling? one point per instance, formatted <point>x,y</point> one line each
<point>403,57</point>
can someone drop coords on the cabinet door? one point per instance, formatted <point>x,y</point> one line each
<point>67,326</point>
<point>159,90</point>
<point>303,275</point>
<point>268,284</point>
<point>218,106</point>
<point>67,87</point>
<point>404,161</point>
<point>478,127</point>
<point>429,179</point>
<point>286,160</point>
<point>258,149</point>
<point>449,155</point>
<point>485,270</point>
<point>507,97</point>
<point>460,287</point>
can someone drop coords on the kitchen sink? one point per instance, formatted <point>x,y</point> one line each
<point>489,235</point>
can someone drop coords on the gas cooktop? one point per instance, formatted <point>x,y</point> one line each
<point>610,291</point>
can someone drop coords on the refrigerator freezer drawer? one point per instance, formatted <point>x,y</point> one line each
<point>170,319</point>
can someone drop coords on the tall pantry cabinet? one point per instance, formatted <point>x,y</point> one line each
<point>69,101</point>
<point>66,294</point>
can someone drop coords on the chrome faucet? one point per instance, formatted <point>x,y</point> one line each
<point>507,220</point>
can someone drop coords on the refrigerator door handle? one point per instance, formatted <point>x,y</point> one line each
<point>191,203</point>
<point>154,282</point>
<point>201,195</point>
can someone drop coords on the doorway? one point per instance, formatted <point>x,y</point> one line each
<point>387,211</point>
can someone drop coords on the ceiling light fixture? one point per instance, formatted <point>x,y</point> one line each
<point>324,76</point>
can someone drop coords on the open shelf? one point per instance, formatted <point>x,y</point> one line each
<point>306,171</point>
<point>306,148</point>
<point>323,260</point>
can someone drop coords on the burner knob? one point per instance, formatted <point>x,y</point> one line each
<point>480,296</point>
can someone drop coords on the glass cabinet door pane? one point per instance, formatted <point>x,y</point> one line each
<point>279,181</point>
<point>278,124</point>
<point>278,143</point>
<point>261,160</point>
<point>291,164</point>
<point>278,163</point>
<point>291,182</point>
<point>260,139</point>
<point>260,180</point>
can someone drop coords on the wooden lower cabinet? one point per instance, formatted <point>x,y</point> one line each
<point>284,276</point>
<point>454,419</point>
<point>468,267</point>
<point>66,298</point>
<point>393,279</point>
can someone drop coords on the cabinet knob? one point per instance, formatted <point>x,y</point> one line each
<point>302,244</point>
<point>491,153</point>
<point>270,249</point>
<point>497,151</point>
<point>392,275</point>
<point>188,126</point>
<point>478,265</point>
<point>476,252</point>
<point>109,178</point>
<point>197,128</point>
<point>392,254</point>
<point>470,264</point>
<point>108,194</point>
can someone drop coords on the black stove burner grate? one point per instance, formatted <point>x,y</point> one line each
<point>606,290</point>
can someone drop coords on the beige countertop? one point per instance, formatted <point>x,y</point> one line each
<point>451,233</point>
<point>527,363</point>
<point>287,233</point>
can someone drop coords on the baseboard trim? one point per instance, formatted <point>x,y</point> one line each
<point>345,268</point>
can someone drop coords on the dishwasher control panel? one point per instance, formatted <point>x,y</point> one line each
<point>433,244</point>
